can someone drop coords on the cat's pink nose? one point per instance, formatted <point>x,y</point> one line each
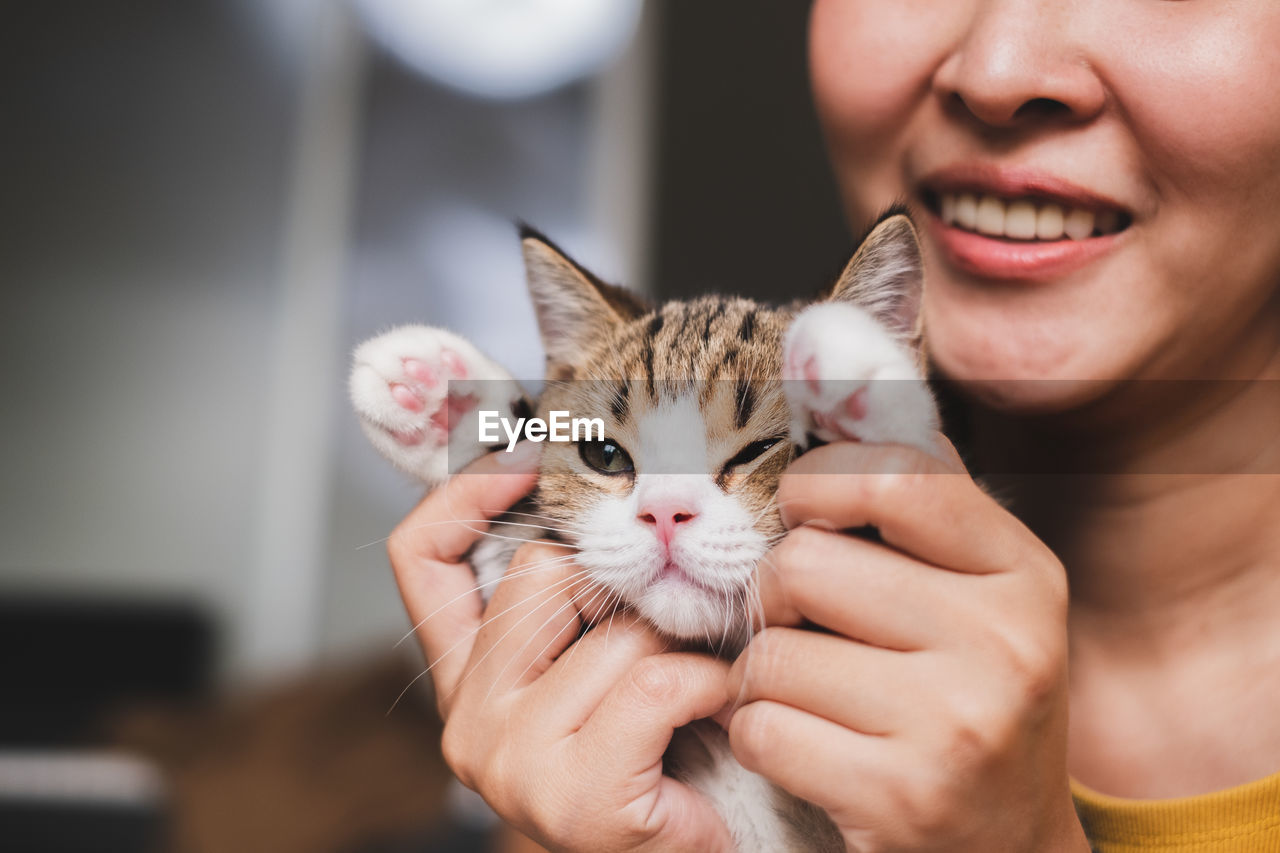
<point>665,517</point>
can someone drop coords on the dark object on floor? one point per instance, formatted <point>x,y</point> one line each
<point>67,663</point>
<point>78,828</point>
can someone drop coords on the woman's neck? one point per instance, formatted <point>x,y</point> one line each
<point>1154,495</point>
<point>1150,556</point>
<point>1167,518</point>
<point>1173,640</point>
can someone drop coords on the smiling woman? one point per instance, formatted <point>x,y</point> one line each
<point>1089,228</point>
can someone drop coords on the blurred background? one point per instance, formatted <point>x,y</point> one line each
<point>205,206</point>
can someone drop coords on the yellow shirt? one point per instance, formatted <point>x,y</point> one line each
<point>1245,819</point>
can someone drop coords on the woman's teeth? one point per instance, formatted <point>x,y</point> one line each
<point>1024,219</point>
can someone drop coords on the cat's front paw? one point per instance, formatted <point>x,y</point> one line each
<point>847,378</point>
<point>417,391</point>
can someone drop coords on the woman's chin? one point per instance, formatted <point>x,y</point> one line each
<point>1034,396</point>
<point>1025,365</point>
<point>1029,384</point>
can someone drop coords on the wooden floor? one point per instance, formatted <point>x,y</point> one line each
<point>314,766</point>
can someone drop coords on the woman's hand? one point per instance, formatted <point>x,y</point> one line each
<point>929,709</point>
<point>564,743</point>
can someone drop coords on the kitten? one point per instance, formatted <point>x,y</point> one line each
<point>704,402</point>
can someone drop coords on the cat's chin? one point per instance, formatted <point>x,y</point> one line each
<point>688,612</point>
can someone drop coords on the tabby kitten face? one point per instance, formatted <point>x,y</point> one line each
<point>675,508</point>
<point>673,511</point>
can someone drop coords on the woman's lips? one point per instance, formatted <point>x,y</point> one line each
<point>1000,258</point>
<point>1017,223</point>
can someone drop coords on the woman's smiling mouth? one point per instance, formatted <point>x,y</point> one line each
<point>1024,218</point>
<point>1002,224</point>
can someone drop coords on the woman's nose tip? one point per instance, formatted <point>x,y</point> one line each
<point>1006,75</point>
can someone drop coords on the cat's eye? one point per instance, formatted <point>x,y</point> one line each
<point>751,452</point>
<point>605,456</point>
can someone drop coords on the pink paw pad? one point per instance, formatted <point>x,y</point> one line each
<point>454,363</point>
<point>408,437</point>
<point>810,369</point>
<point>803,365</point>
<point>420,372</point>
<point>453,409</point>
<point>832,425</point>
<point>406,399</point>
<point>855,405</point>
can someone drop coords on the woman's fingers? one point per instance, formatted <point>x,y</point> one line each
<point>658,694</point>
<point>942,689</point>
<point>947,453</point>
<point>813,758</point>
<point>683,819</point>
<point>921,505</point>
<point>599,660</point>
<point>531,619</point>
<point>439,592</point>
<point>451,518</point>
<point>857,588</point>
<point>876,692</point>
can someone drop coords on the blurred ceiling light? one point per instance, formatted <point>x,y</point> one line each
<point>503,49</point>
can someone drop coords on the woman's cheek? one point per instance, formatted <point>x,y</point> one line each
<point>1228,64</point>
<point>866,63</point>
<point>1215,236</point>
<point>870,69</point>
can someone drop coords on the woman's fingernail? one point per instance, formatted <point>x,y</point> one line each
<point>523,455</point>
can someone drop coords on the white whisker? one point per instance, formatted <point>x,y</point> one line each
<point>574,645</point>
<point>555,589</point>
<point>540,565</point>
<point>414,681</point>
<point>563,582</point>
<point>572,601</point>
<point>612,613</point>
<point>544,517</point>
<point>468,521</point>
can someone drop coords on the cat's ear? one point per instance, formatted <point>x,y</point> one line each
<point>573,307</point>
<point>886,276</point>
